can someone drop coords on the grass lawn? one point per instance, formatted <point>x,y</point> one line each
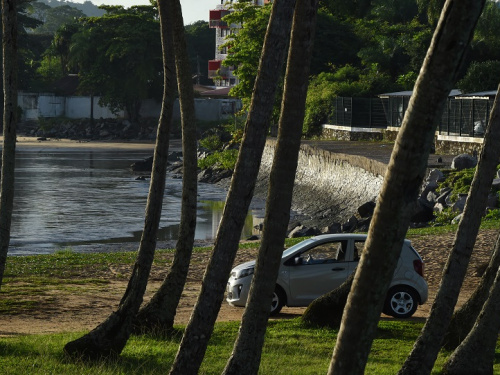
<point>290,348</point>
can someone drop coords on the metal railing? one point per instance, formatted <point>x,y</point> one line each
<point>461,117</point>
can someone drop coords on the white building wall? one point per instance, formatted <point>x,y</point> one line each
<point>35,106</point>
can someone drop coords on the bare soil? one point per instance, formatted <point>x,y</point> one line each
<point>78,308</point>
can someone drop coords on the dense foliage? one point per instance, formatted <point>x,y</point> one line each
<point>362,48</point>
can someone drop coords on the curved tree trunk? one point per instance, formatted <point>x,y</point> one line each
<point>403,179</point>
<point>159,312</point>
<point>248,346</point>
<point>327,310</point>
<point>110,337</point>
<point>9,50</point>
<point>201,323</point>
<point>463,319</point>
<point>426,348</point>
<point>476,354</point>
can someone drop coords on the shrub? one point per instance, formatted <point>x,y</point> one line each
<point>459,181</point>
<point>445,217</point>
<point>220,160</point>
<point>211,142</point>
<point>493,215</point>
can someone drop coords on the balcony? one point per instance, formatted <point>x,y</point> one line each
<point>215,20</point>
<point>216,70</point>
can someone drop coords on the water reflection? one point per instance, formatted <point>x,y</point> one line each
<point>88,198</point>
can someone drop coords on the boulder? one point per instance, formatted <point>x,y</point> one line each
<point>459,205</point>
<point>443,194</point>
<point>492,201</point>
<point>463,161</point>
<point>457,219</point>
<point>366,209</point>
<point>333,228</point>
<point>424,211</point>
<point>145,165</point>
<point>438,208</point>
<point>350,225</point>
<point>302,231</point>
<point>495,185</point>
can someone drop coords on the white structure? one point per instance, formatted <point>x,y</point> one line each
<point>47,105</point>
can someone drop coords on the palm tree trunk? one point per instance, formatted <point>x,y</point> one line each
<point>200,326</point>
<point>159,312</point>
<point>476,354</point>
<point>9,50</point>
<point>463,319</point>
<point>401,185</point>
<point>426,348</point>
<point>110,337</point>
<point>248,346</point>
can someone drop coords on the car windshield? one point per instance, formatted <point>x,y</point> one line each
<point>295,247</point>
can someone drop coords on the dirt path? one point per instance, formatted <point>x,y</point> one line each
<point>83,307</point>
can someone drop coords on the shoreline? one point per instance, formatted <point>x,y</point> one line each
<point>33,144</point>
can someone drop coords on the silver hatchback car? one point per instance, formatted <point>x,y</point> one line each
<point>320,264</point>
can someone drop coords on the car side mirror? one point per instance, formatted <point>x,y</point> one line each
<point>298,261</point>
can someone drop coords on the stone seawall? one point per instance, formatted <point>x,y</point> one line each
<point>329,187</point>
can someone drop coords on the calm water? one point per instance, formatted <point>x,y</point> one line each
<point>90,201</point>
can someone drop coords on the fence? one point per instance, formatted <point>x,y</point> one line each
<point>461,117</point>
<point>359,112</point>
<point>465,117</point>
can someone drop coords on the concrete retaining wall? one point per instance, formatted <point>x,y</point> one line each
<point>327,184</point>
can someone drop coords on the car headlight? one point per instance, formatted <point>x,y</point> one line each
<point>244,273</point>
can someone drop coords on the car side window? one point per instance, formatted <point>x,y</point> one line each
<point>358,249</point>
<point>325,253</point>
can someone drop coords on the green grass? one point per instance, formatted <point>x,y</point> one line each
<point>290,348</point>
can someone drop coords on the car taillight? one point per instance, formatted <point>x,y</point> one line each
<point>418,265</point>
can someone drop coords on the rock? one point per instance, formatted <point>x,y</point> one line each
<point>364,224</point>
<point>253,238</point>
<point>438,207</point>
<point>496,184</point>
<point>145,165</point>
<point>302,231</point>
<point>459,205</point>
<point>332,229</point>
<point>175,156</point>
<point>457,219</point>
<point>463,161</point>
<point>492,201</point>
<point>443,195</point>
<point>434,175</point>
<point>431,197</point>
<point>212,176</point>
<point>366,209</point>
<point>350,225</point>
<point>424,211</point>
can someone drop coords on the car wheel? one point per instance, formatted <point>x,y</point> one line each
<point>401,302</point>
<point>278,301</point>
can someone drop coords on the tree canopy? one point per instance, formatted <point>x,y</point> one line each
<point>118,56</point>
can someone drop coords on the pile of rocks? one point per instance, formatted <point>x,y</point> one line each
<point>83,129</point>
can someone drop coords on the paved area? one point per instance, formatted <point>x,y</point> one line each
<point>380,151</point>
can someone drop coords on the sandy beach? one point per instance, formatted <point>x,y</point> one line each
<point>52,144</point>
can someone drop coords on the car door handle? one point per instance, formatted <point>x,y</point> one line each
<point>338,269</point>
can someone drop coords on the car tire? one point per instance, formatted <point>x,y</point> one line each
<point>278,301</point>
<point>401,302</point>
